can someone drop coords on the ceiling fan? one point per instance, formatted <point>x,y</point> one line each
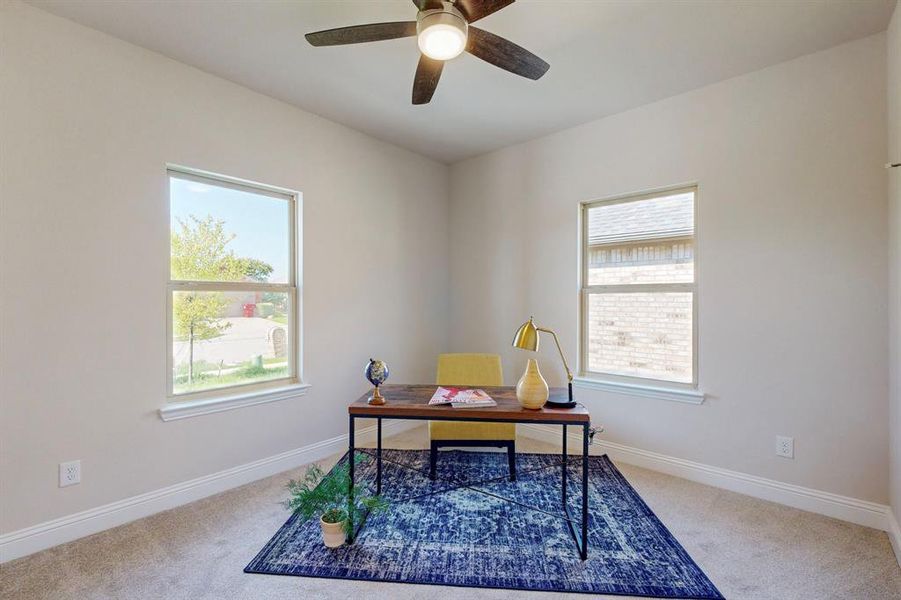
<point>444,30</point>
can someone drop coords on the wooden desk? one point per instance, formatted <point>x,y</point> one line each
<point>412,402</point>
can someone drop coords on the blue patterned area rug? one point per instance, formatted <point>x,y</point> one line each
<point>472,527</point>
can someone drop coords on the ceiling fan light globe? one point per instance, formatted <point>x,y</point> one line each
<point>442,42</point>
<point>441,33</point>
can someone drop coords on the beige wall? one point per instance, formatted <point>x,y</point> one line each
<point>791,262</point>
<point>894,176</point>
<point>88,124</point>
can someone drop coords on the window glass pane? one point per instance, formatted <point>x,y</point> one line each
<point>641,335</point>
<point>223,234</point>
<point>642,262</point>
<point>229,338</point>
<point>643,241</point>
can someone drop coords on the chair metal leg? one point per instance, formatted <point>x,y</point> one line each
<point>510,445</point>
<point>433,462</point>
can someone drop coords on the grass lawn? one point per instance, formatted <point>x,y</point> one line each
<point>206,375</point>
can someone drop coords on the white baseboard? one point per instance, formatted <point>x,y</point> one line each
<point>894,535</point>
<point>853,510</point>
<point>65,529</point>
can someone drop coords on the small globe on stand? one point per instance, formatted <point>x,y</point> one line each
<point>376,372</point>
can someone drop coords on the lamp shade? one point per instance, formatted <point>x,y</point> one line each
<point>526,337</point>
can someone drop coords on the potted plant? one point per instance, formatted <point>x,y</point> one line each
<point>325,495</point>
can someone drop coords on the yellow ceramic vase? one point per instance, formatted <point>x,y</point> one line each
<point>531,391</point>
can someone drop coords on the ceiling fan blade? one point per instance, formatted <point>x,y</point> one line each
<point>505,54</point>
<point>474,10</point>
<point>426,80</point>
<point>357,34</point>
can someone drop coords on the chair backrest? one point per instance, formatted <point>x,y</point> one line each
<point>470,369</point>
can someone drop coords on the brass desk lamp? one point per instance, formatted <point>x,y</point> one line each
<point>526,338</point>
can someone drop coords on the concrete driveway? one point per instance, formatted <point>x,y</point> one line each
<point>245,338</point>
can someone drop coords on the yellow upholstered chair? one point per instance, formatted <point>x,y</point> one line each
<point>471,370</point>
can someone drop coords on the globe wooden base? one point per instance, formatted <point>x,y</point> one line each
<point>376,398</point>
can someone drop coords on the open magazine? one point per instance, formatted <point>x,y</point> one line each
<point>462,397</point>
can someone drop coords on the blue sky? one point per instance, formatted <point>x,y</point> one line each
<point>260,223</point>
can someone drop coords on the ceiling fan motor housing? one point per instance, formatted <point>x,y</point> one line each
<point>446,16</point>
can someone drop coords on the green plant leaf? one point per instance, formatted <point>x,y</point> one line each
<point>320,494</point>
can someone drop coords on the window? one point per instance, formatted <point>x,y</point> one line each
<point>639,289</point>
<point>232,294</point>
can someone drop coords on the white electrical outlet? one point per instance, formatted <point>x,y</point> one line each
<point>785,446</point>
<point>69,473</point>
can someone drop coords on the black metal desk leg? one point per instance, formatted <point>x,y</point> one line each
<point>378,459</point>
<point>563,482</point>
<point>350,487</point>
<point>584,550</point>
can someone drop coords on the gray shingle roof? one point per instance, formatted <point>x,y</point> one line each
<point>655,218</point>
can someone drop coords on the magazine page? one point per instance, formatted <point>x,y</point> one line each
<point>445,395</point>
<point>460,396</point>
<point>473,397</point>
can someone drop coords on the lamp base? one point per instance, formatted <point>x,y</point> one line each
<point>571,404</point>
<point>550,404</point>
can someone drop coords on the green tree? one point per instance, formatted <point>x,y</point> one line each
<point>199,253</point>
<point>195,316</point>
<point>255,269</point>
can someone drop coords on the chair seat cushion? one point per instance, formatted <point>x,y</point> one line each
<point>462,430</point>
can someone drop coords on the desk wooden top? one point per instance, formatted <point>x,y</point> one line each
<point>412,401</point>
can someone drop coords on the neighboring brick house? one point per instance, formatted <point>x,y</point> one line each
<point>641,334</point>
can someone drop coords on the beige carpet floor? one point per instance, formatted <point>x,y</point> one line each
<point>750,548</point>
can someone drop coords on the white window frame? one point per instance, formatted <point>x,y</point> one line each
<point>235,396</point>
<point>634,385</point>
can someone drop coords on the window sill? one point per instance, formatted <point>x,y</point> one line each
<point>687,396</point>
<point>195,408</point>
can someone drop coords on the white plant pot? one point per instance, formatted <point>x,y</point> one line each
<point>332,533</point>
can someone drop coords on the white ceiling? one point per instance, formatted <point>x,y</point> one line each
<point>606,56</point>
